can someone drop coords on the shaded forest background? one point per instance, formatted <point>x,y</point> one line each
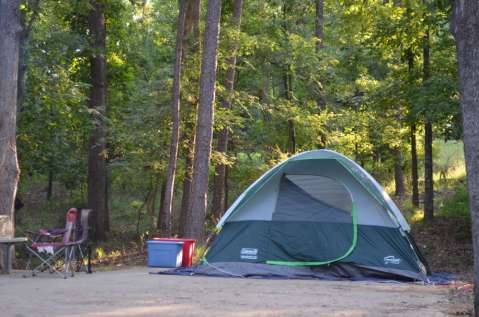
<point>374,80</point>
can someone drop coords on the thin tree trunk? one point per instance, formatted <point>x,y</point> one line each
<point>184,215</point>
<point>464,26</point>
<point>266,89</point>
<point>287,85</point>
<point>34,7</point>
<point>428,138</point>
<point>204,126</point>
<point>414,163</point>
<point>106,219</point>
<point>227,172</point>
<point>319,24</point>
<point>151,206</point>
<point>192,28</point>
<point>414,167</point>
<point>288,96</point>
<point>50,183</point>
<point>165,228</point>
<point>9,56</point>
<point>398,173</point>
<point>219,203</point>
<point>162,197</point>
<point>319,33</point>
<point>291,136</point>
<point>97,101</point>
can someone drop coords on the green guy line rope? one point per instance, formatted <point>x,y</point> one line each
<point>315,263</point>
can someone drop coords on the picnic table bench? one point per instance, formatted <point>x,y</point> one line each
<point>6,245</point>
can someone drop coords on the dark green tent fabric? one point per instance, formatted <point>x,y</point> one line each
<point>378,247</point>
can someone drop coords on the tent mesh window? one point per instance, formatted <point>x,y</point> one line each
<point>313,198</point>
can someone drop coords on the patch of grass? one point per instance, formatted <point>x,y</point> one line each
<point>458,204</point>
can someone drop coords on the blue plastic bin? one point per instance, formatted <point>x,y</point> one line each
<point>164,253</point>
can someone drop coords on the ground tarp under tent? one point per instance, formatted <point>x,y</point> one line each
<point>317,214</point>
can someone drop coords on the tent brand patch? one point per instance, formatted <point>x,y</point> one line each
<point>391,259</point>
<point>249,254</point>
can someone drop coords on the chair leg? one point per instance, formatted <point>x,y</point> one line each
<point>46,262</point>
<point>80,265</point>
<point>89,271</point>
<point>69,254</point>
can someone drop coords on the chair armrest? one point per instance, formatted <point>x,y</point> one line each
<point>55,232</point>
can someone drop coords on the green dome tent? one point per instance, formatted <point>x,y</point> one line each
<point>317,214</point>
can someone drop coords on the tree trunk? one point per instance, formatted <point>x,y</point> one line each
<point>191,36</point>
<point>151,205</point>
<point>398,173</point>
<point>191,46</point>
<point>414,167</point>
<point>291,136</point>
<point>34,7</point>
<point>165,218</point>
<point>428,173</point>
<point>50,183</point>
<point>319,24</point>
<point>288,95</point>
<point>162,197</point>
<point>266,89</point>
<point>184,215</point>
<point>287,85</point>
<point>219,203</point>
<point>9,56</point>
<point>414,164</point>
<point>97,102</point>
<point>204,125</point>
<point>465,24</point>
<point>428,138</point>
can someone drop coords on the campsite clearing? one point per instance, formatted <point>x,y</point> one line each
<point>133,292</point>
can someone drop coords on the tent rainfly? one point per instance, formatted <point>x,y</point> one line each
<point>317,214</point>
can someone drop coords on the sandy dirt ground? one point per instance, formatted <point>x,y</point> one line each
<point>134,292</point>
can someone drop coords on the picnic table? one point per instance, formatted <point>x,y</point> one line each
<point>6,244</point>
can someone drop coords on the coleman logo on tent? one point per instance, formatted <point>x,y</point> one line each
<point>249,254</point>
<point>390,259</point>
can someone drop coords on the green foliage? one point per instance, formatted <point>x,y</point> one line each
<point>458,204</point>
<point>356,94</point>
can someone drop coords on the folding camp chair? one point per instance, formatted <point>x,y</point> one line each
<point>51,252</point>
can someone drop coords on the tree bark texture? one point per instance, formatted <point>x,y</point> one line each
<point>288,95</point>
<point>165,218</point>
<point>414,167</point>
<point>204,124</point>
<point>9,56</point>
<point>465,27</point>
<point>414,163</point>
<point>162,197</point>
<point>428,138</point>
<point>428,173</point>
<point>27,25</point>
<point>319,24</point>
<point>191,38</point>
<point>97,103</point>
<point>218,204</point>
<point>185,199</point>
<point>191,47</point>
<point>398,173</point>
<point>287,85</point>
